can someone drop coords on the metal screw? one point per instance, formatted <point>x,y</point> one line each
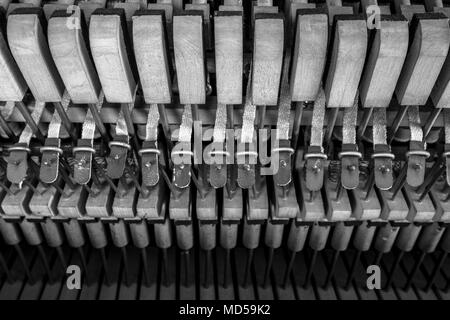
<point>148,164</point>
<point>384,169</point>
<point>417,166</point>
<point>116,157</point>
<point>246,167</point>
<point>316,168</point>
<point>283,163</point>
<point>351,167</point>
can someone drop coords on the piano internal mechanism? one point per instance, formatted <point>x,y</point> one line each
<point>225,149</point>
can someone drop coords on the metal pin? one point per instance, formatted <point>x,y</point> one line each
<point>61,257</point>
<point>394,268</point>
<point>352,271</point>
<point>165,269</point>
<point>333,113</point>
<point>197,184</point>
<point>6,188</point>
<point>83,259</point>
<point>268,268</point>
<point>45,262</point>
<point>332,269</point>
<point>99,123</point>
<point>90,191</point>
<point>145,266</point>
<point>68,181</point>
<point>414,270</point>
<point>5,268</point>
<point>312,196</point>
<point>225,269</point>
<point>297,124</point>
<point>310,269</point>
<point>436,270</point>
<point>6,128</point>
<point>364,121</point>
<point>65,120</point>
<point>430,178</point>
<point>111,184</point>
<point>248,267</point>
<point>378,258</point>
<point>339,190</point>
<point>430,122</point>
<point>262,116</point>
<point>370,184</point>
<point>125,266</point>
<point>24,262</point>
<point>61,190</point>
<point>186,267</point>
<point>30,121</point>
<point>165,125</point>
<point>397,121</point>
<point>105,266</point>
<point>289,267</point>
<point>400,181</point>
<point>208,263</point>
<point>169,184</point>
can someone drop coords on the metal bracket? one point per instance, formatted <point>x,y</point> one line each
<point>284,174</point>
<point>84,153</point>
<point>150,163</point>
<point>349,157</point>
<point>118,156</point>
<point>50,160</point>
<point>314,167</point>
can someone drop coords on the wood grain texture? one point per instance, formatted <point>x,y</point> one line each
<point>14,6</point>
<point>293,12</point>
<point>426,56</point>
<point>30,50</point>
<point>385,61</point>
<point>88,9</point>
<point>200,7</point>
<point>440,95</point>
<point>261,9</point>
<point>150,50</point>
<point>129,7</point>
<point>337,10</point>
<point>309,56</point>
<point>111,59</point>
<point>229,58</point>
<point>405,8</point>
<point>189,58</point>
<point>50,8</point>
<point>71,56</point>
<point>12,84</point>
<point>346,64</point>
<point>168,9</point>
<point>207,33</point>
<point>231,8</point>
<point>267,59</point>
